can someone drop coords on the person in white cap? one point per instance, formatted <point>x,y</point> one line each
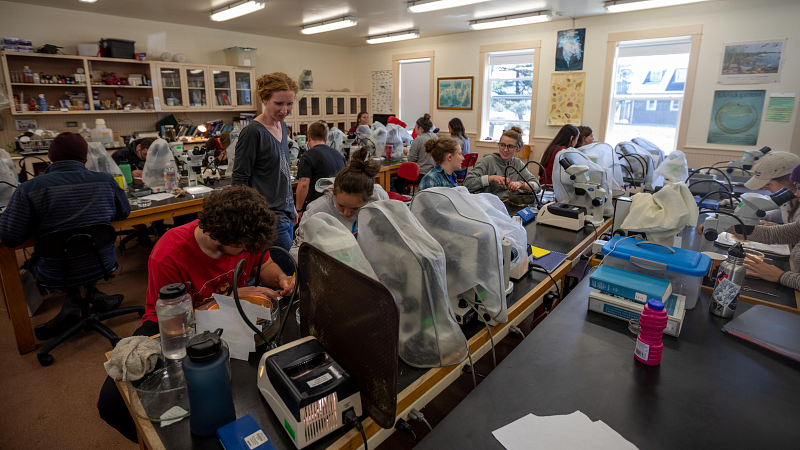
<point>772,174</point>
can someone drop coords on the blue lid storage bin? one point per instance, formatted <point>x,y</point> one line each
<point>685,269</point>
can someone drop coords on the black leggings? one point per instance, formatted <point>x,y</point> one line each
<point>112,406</point>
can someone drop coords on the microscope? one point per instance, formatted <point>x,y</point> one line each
<point>190,161</point>
<point>748,160</point>
<point>750,211</point>
<point>587,200</point>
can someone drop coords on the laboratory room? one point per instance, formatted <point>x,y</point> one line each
<point>397,224</point>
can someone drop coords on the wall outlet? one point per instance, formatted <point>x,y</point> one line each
<point>72,124</point>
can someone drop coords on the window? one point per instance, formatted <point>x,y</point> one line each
<point>680,75</point>
<point>646,72</point>
<point>509,89</point>
<point>414,92</point>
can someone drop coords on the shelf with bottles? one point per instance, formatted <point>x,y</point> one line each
<point>48,85</point>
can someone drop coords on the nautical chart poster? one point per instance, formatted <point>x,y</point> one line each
<point>758,62</point>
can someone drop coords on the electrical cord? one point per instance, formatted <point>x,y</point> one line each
<point>6,182</point>
<point>350,418</point>
<point>730,193</point>
<point>402,425</point>
<point>472,368</point>
<point>491,337</point>
<point>277,338</point>
<point>236,272</point>
<point>417,415</point>
<point>709,168</point>
<point>533,191</point>
<point>629,170</point>
<point>630,175</point>
<point>703,198</point>
<point>551,279</point>
<point>596,236</point>
<point>542,173</point>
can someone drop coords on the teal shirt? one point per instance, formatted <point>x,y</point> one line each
<point>437,178</point>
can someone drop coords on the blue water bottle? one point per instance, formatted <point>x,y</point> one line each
<point>208,380</point>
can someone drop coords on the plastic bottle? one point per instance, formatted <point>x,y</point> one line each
<point>28,75</point>
<point>175,319</point>
<point>208,380</point>
<point>648,345</point>
<point>35,78</point>
<point>729,283</point>
<point>42,102</point>
<point>102,134</point>
<point>85,132</point>
<point>170,176</point>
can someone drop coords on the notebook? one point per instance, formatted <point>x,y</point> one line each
<point>549,262</point>
<point>770,328</point>
<point>537,252</point>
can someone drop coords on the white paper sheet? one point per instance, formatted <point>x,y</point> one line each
<point>158,197</point>
<point>565,432</point>
<point>727,240</point>
<point>236,333</point>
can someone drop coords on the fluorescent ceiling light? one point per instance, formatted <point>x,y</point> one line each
<point>400,36</point>
<point>88,1</point>
<point>433,5</point>
<point>510,21</point>
<point>635,5</point>
<point>237,9</point>
<point>329,25</point>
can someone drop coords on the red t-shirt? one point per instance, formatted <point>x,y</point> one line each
<point>177,258</point>
<point>548,167</point>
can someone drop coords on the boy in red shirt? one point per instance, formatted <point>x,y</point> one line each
<point>234,224</point>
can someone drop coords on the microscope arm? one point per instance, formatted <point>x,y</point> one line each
<point>722,221</point>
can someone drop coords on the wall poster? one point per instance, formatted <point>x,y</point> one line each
<point>569,49</point>
<point>565,103</point>
<point>757,62</point>
<point>382,92</point>
<point>736,117</point>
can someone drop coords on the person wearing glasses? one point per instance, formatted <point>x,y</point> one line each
<point>489,174</point>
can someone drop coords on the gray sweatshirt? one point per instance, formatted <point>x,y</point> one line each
<point>418,154</point>
<point>478,178</point>
<point>783,234</point>
<point>263,163</point>
<point>464,143</point>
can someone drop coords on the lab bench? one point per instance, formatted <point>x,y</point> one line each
<point>416,387</point>
<point>712,390</point>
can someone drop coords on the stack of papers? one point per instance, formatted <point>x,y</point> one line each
<point>726,239</point>
<point>571,431</point>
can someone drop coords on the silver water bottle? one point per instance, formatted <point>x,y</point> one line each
<point>729,283</point>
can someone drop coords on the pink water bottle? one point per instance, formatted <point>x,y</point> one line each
<point>652,322</point>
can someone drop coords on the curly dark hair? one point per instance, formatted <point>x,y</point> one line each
<point>239,216</point>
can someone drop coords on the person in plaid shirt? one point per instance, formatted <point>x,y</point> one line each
<point>446,153</point>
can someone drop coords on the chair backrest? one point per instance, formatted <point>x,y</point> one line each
<point>408,171</point>
<point>469,160</point>
<point>75,242</point>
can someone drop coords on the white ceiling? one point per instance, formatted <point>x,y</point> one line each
<point>283,18</point>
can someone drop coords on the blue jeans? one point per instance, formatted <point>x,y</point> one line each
<point>283,240</point>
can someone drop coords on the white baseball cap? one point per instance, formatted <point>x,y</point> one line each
<point>772,165</point>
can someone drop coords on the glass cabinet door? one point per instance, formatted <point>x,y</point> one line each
<point>196,85</point>
<point>302,107</point>
<point>315,108</point>
<point>222,88</point>
<point>243,89</point>
<point>341,111</point>
<point>171,87</point>
<point>363,102</point>
<point>353,106</point>
<point>329,106</point>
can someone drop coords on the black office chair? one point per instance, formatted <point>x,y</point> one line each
<point>67,246</point>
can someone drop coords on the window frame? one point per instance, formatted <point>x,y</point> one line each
<point>653,108</point>
<point>675,102</point>
<point>487,113</point>
<point>483,101</point>
<point>694,32</point>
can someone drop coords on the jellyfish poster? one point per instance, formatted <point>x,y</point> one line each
<point>736,117</point>
<point>569,49</point>
<point>565,104</point>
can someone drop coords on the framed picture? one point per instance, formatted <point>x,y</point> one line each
<point>757,62</point>
<point>454,92</point>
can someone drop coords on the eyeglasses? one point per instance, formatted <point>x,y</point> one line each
<point>502,146</point>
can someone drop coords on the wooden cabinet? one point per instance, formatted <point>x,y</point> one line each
<point>173,86</point>
<point>309,106</point>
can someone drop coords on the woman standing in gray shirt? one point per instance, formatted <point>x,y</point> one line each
<point>262,157</point>
<point>417,152</point>
<point>458,133</point>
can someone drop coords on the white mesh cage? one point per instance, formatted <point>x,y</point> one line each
<point>675,168</point>
<point>602,154</point>
<point>8,173</point>
<point>98,160</point>
<point>471,243</point>
<point>336,138</point>
<point>326,233</point>
<point>509,228</point>
<point>158,155</point>
<point>639,161</point>
<point>411,264</point>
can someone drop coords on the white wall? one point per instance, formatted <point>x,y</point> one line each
<point>723,21</point>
